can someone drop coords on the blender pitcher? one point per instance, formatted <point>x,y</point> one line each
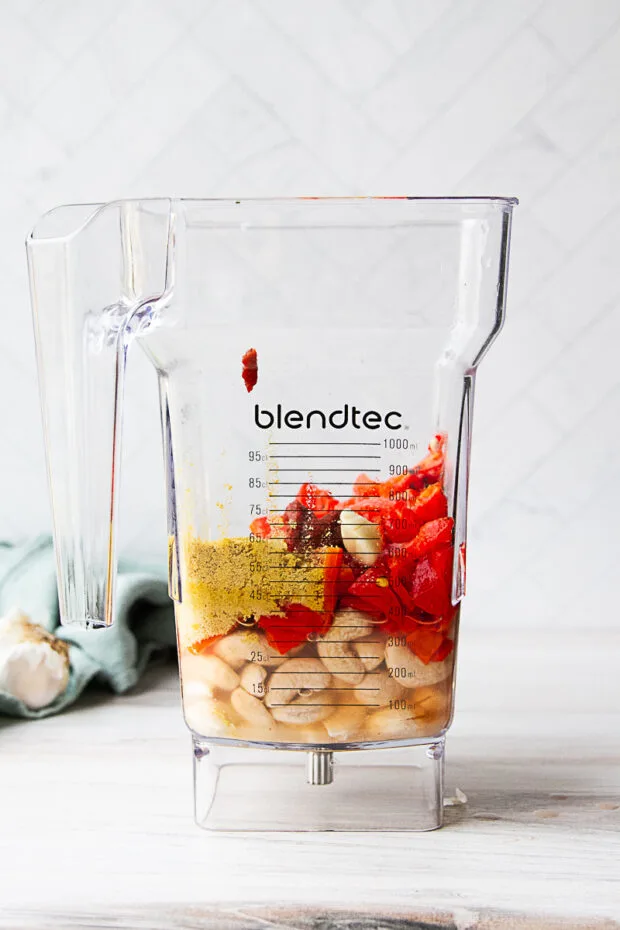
<point>316,361</point>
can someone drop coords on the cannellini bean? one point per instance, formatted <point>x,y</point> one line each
<point>209,717</point>
<point>308,733</point>
<point>378,688</point>
<point>361,537</point>
<point>245,646</point>
<point>371,650</point>
<point>252,678</point>
<point>345,723</point>
<point>217,673</point>
<point>306,708</point>
<point>415,672</point>
<point>195,689</point>
<point>392,724</point>
<point>294,676</point>
<point>251,709</point>
<point>336,648</point>
<point>432,705</point>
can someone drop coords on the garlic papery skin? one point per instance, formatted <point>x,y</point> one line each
<point>34,665</point>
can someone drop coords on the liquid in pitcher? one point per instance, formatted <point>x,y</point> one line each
<point>331,621</point>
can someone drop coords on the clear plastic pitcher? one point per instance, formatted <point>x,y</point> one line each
<point>316,362</point>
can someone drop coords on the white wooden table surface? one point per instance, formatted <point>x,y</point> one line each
<point>96,808</point>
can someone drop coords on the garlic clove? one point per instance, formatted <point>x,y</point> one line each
<point>34,665</point>
<point>361,537</point>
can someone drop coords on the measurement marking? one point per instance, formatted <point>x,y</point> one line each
<point>330,689</point>
<point>369,471</point>
<point>335,443</point>
<point>313,673</point>
<point>324,705</point>
<point>331,658</point>
<point>367,642</point>
<point>271,496</point>
<point>279,484</point>
<point>321,455</point>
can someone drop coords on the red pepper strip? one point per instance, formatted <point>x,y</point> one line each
<point>249,371</point>
<point>320,502</point>
<point>203,644</point>
<point>260,527</point>
<point>288,632</point>
<point>433,534</point>
<point>431,585</point>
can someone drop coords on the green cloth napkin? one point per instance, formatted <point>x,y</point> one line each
<point>117,655</point>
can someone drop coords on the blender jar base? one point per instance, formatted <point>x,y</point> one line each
<point>239,788</point>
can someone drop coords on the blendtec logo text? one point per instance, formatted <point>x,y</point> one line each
<point>335,419</point>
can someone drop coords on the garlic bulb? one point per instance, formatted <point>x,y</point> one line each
<point>34,665</point>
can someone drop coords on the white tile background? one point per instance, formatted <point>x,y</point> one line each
<point>255,97</point>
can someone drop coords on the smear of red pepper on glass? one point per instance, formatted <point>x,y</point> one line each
<point>249,371</point>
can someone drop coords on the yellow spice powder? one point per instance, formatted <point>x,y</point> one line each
<point>236,578</point>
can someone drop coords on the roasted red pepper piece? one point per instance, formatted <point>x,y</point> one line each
<point>444,650</point>
<point>249,371</point>
<point>431,536</point>
<point>320,502</point>
<point>431,584</point>
<point>260,527</point>
<point>364,486</point>
<point>430,504</point>
<point>201,645</point>
<point>400,523</point>
<point>288,632</point>
<point>398,485</point>
<point>428,471</point>
<point>429,645</point>
<point>346,577</point>
<point>371,592</point>
<point>331,575</point>
<point>371,508</point>
<point>397,626</point>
